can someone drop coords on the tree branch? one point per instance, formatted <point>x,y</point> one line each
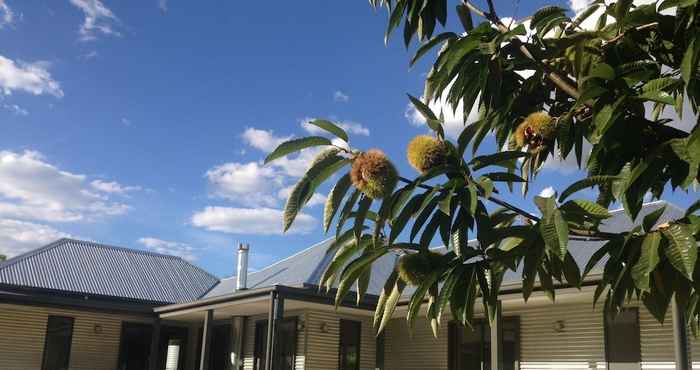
<point>561,81</point>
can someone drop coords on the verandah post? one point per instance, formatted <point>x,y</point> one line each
<point>206,340</point>
<point>497,337</point>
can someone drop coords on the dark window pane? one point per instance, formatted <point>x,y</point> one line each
<point>470,348</point>
<point>379,353</point>
<point>349,350</point>
<point>623,348</point>
<point>220,356</point>
<point>286,344</point>
<point>135,346</point>
<point>59,335</point>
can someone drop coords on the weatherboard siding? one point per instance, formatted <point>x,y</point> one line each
<point>23,330</point>
<point>322,350</point>
<point>249,341</point>
<point>415,350</point>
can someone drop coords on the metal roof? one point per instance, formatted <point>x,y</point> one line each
<point>88,268</point>
<point>305,268</point>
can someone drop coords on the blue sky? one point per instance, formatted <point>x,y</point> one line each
<point>144,123</point>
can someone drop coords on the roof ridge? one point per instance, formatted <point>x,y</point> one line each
<point>11,261</point>
<point>284,259</point>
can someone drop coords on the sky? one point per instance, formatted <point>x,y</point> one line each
<point>144,123</point>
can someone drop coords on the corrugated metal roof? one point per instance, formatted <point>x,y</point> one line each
<point>306,267</point>
<point>83,267</point>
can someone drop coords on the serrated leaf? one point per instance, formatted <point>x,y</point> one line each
<point>652,218</point>
<point>553,227</point>
<point>422,108</point>
<point>480,162</point>
<point>353,271</point>
<point>648,260</point>
<point>335,197</point>
<point>586,208</point>
<point>296,145</point>
<point>384,296</point>
<point>330,127</point>
<point>586,183</point>
<point>682,250</point>
<point>690,60</point>
<point>361,215</point>
<point>423,49</point>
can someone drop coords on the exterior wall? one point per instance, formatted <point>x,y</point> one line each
<point>23,330</point>
<point>580,345</point>
<point>317,349</point>
<point>249,341</point>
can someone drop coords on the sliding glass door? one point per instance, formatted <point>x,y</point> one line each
<point>470,348</point>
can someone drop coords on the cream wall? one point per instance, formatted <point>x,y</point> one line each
<point>23,330</point>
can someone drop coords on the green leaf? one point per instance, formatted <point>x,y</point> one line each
<point>390,305</point>
<point>693,208</point>
<point>465,17</point>
<point>400,221</point>
<point>586,208</point>
<point>361,215</point>
<point>353,271</point>
<point>423,49</point>
<point>554,229</point>
<point>348,247</point>
<point>347,210</point>
<point>586,183</point>
<point>690,60</point>
<point>571,271</point>
<point>384,296</point>
<point>504,177</point>
<point>296,145</point>
<point>652,218</point>
<point>480,162</point>
<point>682,250</point>
<point>323,166</point>
<point>604,71</point>
<point>542,14</point>
<point>648,260</point>
<point>423,108</point>
<point>335,196</point>
<point>417,298</point>
<point>330,127</point>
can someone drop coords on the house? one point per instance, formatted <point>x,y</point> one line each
<point>81,305</point>
<point>276,318</point>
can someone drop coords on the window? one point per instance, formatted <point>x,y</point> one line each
<point>286,344</point>
<point>379,353</point>
<point>349,351</point>
<point>135,346</point>
<point>471,349</point>
<point>622,344</point>
<point>59,335</point>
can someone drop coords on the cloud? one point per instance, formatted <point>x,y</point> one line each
<point>112,187</point>
<point>249,184</point>
<point>163,5</point>
<point>126,121</point>
<point>17,237</point>
<point>258,221</point>
<point>33,189</point>
<point>16,109</point>
<point>7,16</point>
<point>316,199</point>
<point>579,5</point>
<point>547,192</point>
<point>349,127</point>
<point>89,55</point>
<point>98,19</point>
<point>33,78</point>
<point>340,97</point>
<point>264,140</point>
<point>183,250</point>
<point>454,120</point>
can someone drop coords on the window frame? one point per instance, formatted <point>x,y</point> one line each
<point>357,325</point>
<point>453,338</point>
<point>607,329</point>
<point>46,340</point>
<point>260,345</point>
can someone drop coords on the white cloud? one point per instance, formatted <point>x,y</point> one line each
<point>341,97</point>
<point>579,5</point>
<point>264,140</point>
<point>547,192</point>
<point>89,55</point>
<point>258,221</point>
<point>32,189</point>
<point>98,19</point>
<point>168,247</point>
<point>16,109</point>
<point>249,184</point>
<point>17,237</point>
<point>33,78</point>
<point>454,120</point>
<point>112,187</point>
<point>7,16</point>
<point>126,121</point>
<point>163,5</point>
<point>316,199</point>
<point>349,127</point>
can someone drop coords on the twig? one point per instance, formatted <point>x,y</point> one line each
<point>621,35</point>
<point>556,78</point>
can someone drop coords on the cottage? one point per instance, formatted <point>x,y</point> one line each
<point>276,318</point>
